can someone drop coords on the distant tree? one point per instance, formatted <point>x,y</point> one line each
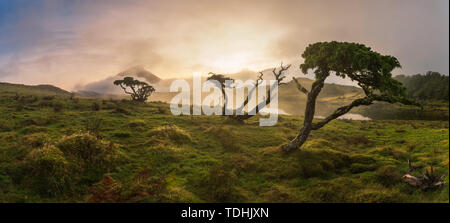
<point>431,86</point>
<point>140,91</point>
<point>223,84</point>
<point>371,71</point>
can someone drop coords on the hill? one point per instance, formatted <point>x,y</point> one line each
<point>63,149</point>
<point>43,89</point>
<point>106,86</point>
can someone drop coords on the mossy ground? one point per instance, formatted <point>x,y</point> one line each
<point>213,159</point>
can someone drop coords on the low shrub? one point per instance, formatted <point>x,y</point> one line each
<point>94,126</point>
<point>36,139</point>
<point>147,189</point>
<point>47,170</point>
<point>92,155</point>
<point>171,132</point>
<point>388,175</point>
<point>107,190</point>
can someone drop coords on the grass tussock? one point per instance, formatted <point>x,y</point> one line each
<point>170,132</point>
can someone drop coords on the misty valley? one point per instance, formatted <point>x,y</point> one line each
<point>235,111</point>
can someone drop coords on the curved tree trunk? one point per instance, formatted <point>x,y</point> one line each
<point>309,116</point>
<point>225,101</point>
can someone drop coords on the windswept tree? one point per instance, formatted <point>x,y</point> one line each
<point>371,71</point>
<point>223,81</point>
<point>279,77</point>
<point>138,90</point>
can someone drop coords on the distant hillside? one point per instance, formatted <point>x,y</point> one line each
<point>331,97</point>
<point>43,89</point>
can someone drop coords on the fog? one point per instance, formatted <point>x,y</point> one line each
<point>71,43</point>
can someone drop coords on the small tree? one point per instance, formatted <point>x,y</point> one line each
<point>140,91</point>
<point>371,70</point>
<point>222,81</point>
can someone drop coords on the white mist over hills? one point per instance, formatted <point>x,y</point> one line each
<point>106,86</point>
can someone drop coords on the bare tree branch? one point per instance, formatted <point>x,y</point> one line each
<point>279,76</point>
<point>299,86</point>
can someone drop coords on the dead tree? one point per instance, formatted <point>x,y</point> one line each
<point>279,77</point>
<point>371,71</point>
<point>426,182</point>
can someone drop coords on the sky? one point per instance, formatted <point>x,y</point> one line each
<point>69,43</point>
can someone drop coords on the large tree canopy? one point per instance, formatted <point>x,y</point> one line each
<point>371,71</point>
<point>140,90</point>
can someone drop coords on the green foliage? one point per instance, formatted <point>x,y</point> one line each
<point>220,78</point>
<point>94,126</point>
<point>172,133</point>
<point>140,90</point>
<point>432,86</point>
<point>92,154</point>
<point>371,70</point>
<point>47,170</point>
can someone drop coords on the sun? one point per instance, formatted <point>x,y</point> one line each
<point>234,62</point>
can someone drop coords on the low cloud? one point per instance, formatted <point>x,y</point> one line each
<point>70,44</point>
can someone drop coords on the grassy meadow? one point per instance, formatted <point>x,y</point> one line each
<point>69,149</point>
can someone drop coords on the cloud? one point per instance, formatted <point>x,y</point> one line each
<point>77,42</point>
